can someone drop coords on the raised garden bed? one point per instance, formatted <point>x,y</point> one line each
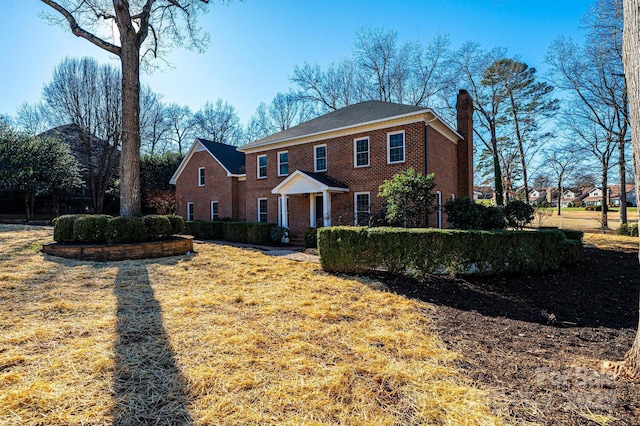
<point>175,246</point>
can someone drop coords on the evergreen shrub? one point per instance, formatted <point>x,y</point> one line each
<point>311,238</point>
<point>259,232</point>
<point>427,251</point>
<point>126,230</point>
<point>90,229</point>
<point>204,230</point>
<point>518,214</point>
<point>177,224</point>
<point>158,227</point>
<point>63,228</point>
<point>236,232</point>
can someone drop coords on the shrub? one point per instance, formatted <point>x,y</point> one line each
<point>204,230</point>
<point>177,224</point>
<point>573,235</point>
<point>464,213</point>
<point>126,230</point>
<point>589,208</point>
<point>90,229</point>
<point>598,208</point>
<point>624,229</point>
<point>63,228</point>
<point>235,231</point>
<point>427,251</point>
<point>278,233</point>
<point>158,227</point>
<point>311,238</point>
<point>518,214</point>
<point>633,230</point>
<point>259,232</point>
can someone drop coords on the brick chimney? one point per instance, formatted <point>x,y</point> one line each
<point>464,109</point>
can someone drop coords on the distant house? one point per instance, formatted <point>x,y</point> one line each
<point>327,171</point>
<point>630,193</point>
<point>592,197</point>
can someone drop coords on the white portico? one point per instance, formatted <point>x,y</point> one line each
<point>315,185</point>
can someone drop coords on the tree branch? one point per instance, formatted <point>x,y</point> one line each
<point>78,31</point>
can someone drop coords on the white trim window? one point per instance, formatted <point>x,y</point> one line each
<point>189,211</point>
<point>361,152</point>
<point>283,163</point>
<point>439,208</point>
<point>320,158</point>
<point>262,166</point>
<point>262,210</point>
<point>200,176</point>
<point>395,147</point>
<point>362,208</point>
<point>214,210</point>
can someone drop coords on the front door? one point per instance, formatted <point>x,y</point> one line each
<point>319,211</point>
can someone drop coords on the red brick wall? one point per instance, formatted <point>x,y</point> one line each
<point>340,167</point>
<point>218,187</point>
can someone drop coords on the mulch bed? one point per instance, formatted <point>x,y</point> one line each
<point>538,341</point>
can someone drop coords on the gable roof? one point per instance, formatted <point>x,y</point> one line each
<point>364,113</point>
<point>231,160</point>
<point>300,182</point>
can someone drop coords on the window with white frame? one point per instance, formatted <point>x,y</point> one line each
<point>283,163</point>
<point>262,210</point>
<point>320,158</point>
<point>189,211</point>
<point>200,176</point>
<point>361,152</point>
<point>439,208</point>
<point>262,166</point>
<point>214,210</point>
<point>362,208</point>
<point>395,147</point>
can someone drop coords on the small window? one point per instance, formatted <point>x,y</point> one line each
<point>395,147</point>
<point>189,211</point>
<point>262,166</point>
<point>262,210</point>
<point>320,158</point>
<point>214,210</point>
<point>200,176</point>
<point>361,152</point>
<point>283,163</point>
<point>362,208</point>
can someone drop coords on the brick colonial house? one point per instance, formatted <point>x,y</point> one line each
<point>327,170</point>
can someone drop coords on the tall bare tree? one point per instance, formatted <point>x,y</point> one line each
<point>631,47</point>
<point>87,95</point>
<point>180,126</point>
<point>138,32</point>
<point>219,122</point>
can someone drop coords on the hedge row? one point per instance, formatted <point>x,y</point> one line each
<point>239,232</point>
<point>420,252</point>
<point>100,229</point>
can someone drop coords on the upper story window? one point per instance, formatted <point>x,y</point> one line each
<point>395,147</point>
<point>283,163</point>
<point>200,176</point>
<point>262,166</point>
<point>361,152</point>
<point>320,158</point>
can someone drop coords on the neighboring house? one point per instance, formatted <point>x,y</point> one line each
<point>592,197</point>
<point>327,171</point>
<point>537,196</point>
<point>615,195</point>
<point>210,182</point>
<point>482,193</point>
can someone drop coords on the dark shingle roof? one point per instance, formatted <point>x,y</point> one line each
<point>230,158</point>
<point>325,180</point>
<point>351,115</point>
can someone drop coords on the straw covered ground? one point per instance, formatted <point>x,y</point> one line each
<point>228,336</point>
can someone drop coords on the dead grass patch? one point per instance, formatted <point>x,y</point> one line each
<point>612,241</point>
<point>229,336</point>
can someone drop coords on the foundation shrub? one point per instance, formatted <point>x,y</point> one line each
<point>90,229</point>
<point>158,227</point>
<point>126,230</point>
<point>236,232</point>
<point>259,232</point>
<point>63,228</point>
<point>204,230</point>
<point>422,251</point>
<point>311,238</point>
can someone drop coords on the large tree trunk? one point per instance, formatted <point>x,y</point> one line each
<point>604,201</point>
<point>631,58</point>
<point>130,202</point>
<point>623,181</point>
<point>496,170</point>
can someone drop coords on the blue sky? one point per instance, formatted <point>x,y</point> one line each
<point>255,44</point>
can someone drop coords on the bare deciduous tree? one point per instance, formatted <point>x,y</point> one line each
<point>219,122</point>
<point>138,32</point>
<point>180,126</point>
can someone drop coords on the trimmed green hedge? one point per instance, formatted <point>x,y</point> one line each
<point>430,251</point>
<point>100,229</point>
<point>239,232</point>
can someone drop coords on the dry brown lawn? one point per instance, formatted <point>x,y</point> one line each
<point>228,336</point>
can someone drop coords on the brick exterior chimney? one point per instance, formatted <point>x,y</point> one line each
<point>464,109</point>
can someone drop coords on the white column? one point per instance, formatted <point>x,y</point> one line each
<point>326,203</point>
<point>285,212</point>
<point>312,210</point>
